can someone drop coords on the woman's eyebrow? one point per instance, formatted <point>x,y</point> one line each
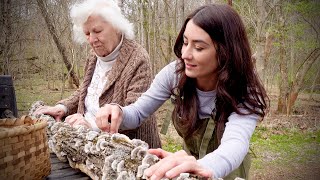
<point>197,40</point>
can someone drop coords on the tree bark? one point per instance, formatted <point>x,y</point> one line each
<point>61,48</point>
<point>155,38</point>
<point>145,24</point>
<point>314,84</point>
<point>169,35</point>
<point>6,18</point>
<point>283,83</point>
<point>182,16</point>
<point>259,55</point>
<point>300,75</point>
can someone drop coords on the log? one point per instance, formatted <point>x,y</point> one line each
<point>100,155</point>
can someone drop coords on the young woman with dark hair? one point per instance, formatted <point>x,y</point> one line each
<point>218,99</point>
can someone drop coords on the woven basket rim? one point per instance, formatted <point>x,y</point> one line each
<point>9,129</point>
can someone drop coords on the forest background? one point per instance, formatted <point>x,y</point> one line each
<point>37,50</point>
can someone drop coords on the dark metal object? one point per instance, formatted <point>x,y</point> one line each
<point>8,104</point>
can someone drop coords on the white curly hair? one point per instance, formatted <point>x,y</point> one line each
<point>107,9</point>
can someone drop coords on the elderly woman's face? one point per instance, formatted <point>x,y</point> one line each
<point>101,35</point>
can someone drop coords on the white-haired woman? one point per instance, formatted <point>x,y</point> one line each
<point>117,71</point>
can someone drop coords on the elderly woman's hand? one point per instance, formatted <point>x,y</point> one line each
<point>77,119</point>
<point>109,118</point>
<point>173,164</point>
<point>55,111</point>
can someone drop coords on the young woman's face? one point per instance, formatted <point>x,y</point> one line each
<point>101,35</point>
<point>199,55</point>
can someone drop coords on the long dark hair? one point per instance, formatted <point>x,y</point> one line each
<point>237,83</point>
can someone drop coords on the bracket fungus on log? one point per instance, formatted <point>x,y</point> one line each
<point>100,155</point>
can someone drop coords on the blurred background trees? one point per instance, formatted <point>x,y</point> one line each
<point>36,41</point>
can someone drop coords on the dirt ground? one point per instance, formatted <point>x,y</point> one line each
<point>306,117</point>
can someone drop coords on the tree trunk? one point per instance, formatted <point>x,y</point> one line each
<point>314,84</point>
<point>175,16</point>
<point>182,16</point>
<point>259,54</point>
<point>58,43</point>
<point>140,30</point>
<point>145,22</point>
<point>6,8</point>
<point>268,46</point>
<point>155,38</point>
<point>300,75</point>
<point>169,35</point>
<point>283,83</point>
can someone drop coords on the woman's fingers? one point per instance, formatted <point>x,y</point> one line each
<point>41,110</point>
<point>77,119</point>
<point>70,120</point>
<point>174,164</point>
<point>101,115</point>
<point>105,125</point>
<point>74,118</point>
<point>158,170</point>
<point>56,112</point>
<point>160,153</point>
<point>109,118</point>
<point>116,119</point>
<point>82,122</point>
<point>187,164</point>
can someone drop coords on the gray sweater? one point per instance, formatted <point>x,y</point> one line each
<point>236,137</point>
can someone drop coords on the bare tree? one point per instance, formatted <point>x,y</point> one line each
<point>7,31</point>
<point>307,56</point>
<point>283,83</point>
<point>167,54</point>
<point>61,48</point>
<point>299,78</point>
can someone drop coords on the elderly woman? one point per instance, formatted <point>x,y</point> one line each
<point>118,69</point>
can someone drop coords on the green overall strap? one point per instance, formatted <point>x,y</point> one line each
<point>206,138</point>
<point>167,120</point>
<point>166,123</point>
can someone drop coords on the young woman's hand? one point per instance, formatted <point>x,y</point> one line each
<point>109,118</point>
<point>77,119</point>
<point>56,112</point>
<point>173,164</point>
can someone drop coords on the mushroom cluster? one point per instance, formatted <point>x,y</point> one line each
<point>100,155</point>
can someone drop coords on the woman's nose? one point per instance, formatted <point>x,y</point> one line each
<point>186,53</point>
<point>92,38</point>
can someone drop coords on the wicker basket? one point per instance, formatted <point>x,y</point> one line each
<point>24,152</point>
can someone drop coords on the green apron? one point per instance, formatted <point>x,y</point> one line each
<point>202,142</point>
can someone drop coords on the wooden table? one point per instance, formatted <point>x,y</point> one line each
<point>62,170</point>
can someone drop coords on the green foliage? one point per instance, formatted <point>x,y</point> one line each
<point>307,8</point>
<point>171,145</point>
<point>30,90</point>
<point>283,145</point>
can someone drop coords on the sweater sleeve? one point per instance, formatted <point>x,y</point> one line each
<point>140,78</point>
<point>151,100</point>
<point>234,145</point>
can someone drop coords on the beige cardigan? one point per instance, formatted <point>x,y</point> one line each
<point>129,77</point>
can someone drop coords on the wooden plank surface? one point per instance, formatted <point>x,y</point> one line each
<point>62,170</point>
